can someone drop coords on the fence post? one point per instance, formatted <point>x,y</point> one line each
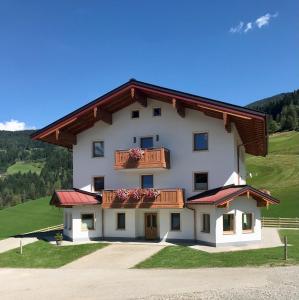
<point>285,247</point>
<point>21,246</point>
<point>278,222</point>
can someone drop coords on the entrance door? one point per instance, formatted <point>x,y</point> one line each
<point>150,230</point>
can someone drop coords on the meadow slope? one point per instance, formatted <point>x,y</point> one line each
<point>278,173</point>
<point>29,216</point>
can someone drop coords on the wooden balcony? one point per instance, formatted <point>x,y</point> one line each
<point>168,198</point>
<point>152,158</point>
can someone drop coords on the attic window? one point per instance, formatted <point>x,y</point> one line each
<point>135,114</point>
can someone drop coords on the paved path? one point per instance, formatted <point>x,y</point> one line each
<point>12,243</point>
<point>270,239</point>
<point>95,283</point>
<point>115,256</point>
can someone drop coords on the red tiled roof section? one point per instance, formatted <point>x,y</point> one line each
<point>224,194</point>
<point>211,199</point>
<point>73,198</point>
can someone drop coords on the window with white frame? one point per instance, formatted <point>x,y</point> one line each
<point>247,222</point>
<point>206,223</point>
<point>87,221</point>
<point>228,223</point>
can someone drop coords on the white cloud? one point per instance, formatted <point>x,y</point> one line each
<point>258,23</point>
<point>264,20</point>
<point>248,27</point>
<point>237,29</point>
<point>14,125</point>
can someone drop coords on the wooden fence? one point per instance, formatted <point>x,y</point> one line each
<point>50,228</point>
<point>280,222</point>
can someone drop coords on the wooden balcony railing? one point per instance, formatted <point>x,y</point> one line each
<point>168,198</point>
<point>152,158</point>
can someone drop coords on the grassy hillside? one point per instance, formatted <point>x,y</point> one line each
<point>279,173</point>
<point>25,167</point>
<point>29,216</point>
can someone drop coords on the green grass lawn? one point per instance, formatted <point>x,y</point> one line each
<point>279,173</point>
<point>42,254</point>
<point>25,167</point>
<point>29,216</point>
<point>180,257</point>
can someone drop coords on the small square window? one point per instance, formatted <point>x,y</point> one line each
<point>247,222</point>
<point>176,221</point>
<point>135,114</point>
<point>98,149</point>
<point>157,112</point>
<point>206,223</point>
<point>200,181</point>
<point>87,221</point>
<point>98,184</point>
<point>147,181</point>
<point>200,141</point>
<point>121,221</point>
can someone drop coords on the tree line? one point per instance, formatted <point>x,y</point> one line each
<point>283,113</point>
<point>55,174</point>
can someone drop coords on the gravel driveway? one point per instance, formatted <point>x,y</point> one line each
<point>94,283</point>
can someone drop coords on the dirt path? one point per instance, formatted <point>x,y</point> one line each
<point>95,283</point>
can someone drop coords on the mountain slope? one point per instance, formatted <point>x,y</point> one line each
<point>278,173</point>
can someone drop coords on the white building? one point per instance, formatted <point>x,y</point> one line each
<point>154,163</point>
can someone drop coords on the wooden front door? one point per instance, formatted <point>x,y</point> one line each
<point>150,230</point>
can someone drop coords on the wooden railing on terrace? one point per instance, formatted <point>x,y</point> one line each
<point>280,222</point>
<point>152,158</point>
<point>168,198</point>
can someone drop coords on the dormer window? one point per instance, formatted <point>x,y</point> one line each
<point>135,114</point>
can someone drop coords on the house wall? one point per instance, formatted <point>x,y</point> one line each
<point>76,233</point>
<point>175,133</point>
<point>237,207</point>
<point>135,223</point>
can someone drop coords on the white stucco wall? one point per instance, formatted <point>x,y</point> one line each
<point>237,207</point>
<point>175,133</point>
<point>77,233</point>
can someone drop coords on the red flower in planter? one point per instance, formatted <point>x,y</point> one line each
<point>136,194</point>
<point>136,153</point>
<point>122,194</point>
<point>152,193</point>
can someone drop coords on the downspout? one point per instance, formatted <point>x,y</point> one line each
<point>194,222</point>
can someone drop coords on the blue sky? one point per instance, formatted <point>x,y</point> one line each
<point>55,56</point>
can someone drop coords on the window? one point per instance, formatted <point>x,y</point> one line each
<point>228,223</point>
<point>175,221</point>
<point>87,221</point>
<point>247,222</point>
<point>157,112</point>
<point>66,221</point>
<point>70,221</point>
<point>98,149</point>
<point>98,184</point>
<point>206,223</point>
<point>200,141</point>
<point>146,142</point>
<point>147,181</point>
<point>121,221</point>
<point>200,181</point>
<point>135,114</point>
